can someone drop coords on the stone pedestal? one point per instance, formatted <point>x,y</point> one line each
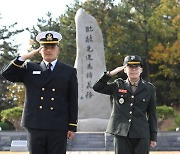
<point>19,146</point>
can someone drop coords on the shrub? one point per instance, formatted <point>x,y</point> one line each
<point>177,120</point>
<point>164,112</point>
<point>13,115</point>
<point>4,126</point>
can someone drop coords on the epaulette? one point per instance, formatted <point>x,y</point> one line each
<point>150,84</point>
<point>119,79</point>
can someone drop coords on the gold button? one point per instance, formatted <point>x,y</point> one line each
<point>129,120</point>
<point>43,89</point>
<point>51,108</point>
<point>42,98</point>
<point>40,107</point>
<point>52,99</point>
<point>53,89</point>
<point>130,112</point>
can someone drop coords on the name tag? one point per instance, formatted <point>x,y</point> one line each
<point>36,72</point>
<point>122,90</point>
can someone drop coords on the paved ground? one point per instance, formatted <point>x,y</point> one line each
<point>97,152</point>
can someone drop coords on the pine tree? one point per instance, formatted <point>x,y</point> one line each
<point>7,52</point>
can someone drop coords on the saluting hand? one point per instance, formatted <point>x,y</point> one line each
<point>31,54</point>
<point>116,70</point>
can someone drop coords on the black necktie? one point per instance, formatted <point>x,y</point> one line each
<point>49,65</point>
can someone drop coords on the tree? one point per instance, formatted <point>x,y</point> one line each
<point>167,76</point>
<point>134,16</point>
<point>15,94</point>
<point>165,23</point>
<point>7,52</point>
<point>165,55</point>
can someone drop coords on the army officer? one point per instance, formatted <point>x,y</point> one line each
<point>133,119</point>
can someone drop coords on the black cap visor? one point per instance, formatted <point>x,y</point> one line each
<point>49,44</point>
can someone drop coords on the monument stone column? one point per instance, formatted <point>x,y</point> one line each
<point>94,108</point>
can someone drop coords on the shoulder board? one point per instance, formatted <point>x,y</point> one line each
<point>149,83</point>
<point>119,80</point>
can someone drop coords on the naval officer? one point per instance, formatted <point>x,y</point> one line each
<point>51,100</point>
<point>133,119</point>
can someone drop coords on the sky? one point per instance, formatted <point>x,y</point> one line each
<point>26,13</point>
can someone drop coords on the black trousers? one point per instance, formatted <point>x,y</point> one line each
<point>47,141</point>
<point>125,145</point>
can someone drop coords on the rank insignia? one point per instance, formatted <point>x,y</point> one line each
<point>121,100</point>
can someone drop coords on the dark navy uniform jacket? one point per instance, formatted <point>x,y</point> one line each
<point>133,114</point>
<point>51,100</point>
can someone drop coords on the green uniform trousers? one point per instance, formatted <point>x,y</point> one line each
<point>125,145</point>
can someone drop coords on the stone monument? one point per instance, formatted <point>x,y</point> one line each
<point>94,108</point>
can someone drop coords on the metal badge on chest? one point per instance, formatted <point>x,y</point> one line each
<point>121,100</point>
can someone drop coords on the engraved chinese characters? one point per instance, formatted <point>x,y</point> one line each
<point>90,64</point>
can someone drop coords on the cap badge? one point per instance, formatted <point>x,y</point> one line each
<point>121,100</point>
<point>49,37</point>
<point>132,57</point>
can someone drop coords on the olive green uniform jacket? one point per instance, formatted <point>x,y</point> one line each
<point>133,114</point>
